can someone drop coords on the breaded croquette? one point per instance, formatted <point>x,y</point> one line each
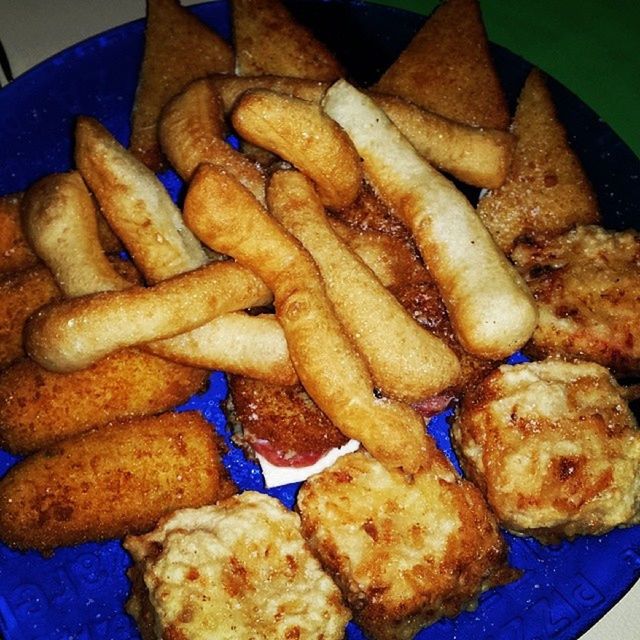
<point>404,554</point>
<point>39,407</point>
<point>111,482</point>
<point>586,284</point>
<point>15,252</point>
<point>238,569</point>
<point>554,447</point>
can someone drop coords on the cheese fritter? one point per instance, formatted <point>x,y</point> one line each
<point>586,284</point>
<point>404,554</point>
<point>554,447</point>
<point>239,569</point>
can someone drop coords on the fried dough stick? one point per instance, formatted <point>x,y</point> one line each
<point>406,361</point>
<point>229,219</point>
<point>490,307</point>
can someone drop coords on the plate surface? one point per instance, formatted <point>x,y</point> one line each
<point>79,592</point>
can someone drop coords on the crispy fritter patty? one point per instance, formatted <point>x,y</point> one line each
<point>240,568</point>
<point>404,554</point>
<point>587,287</point>
<point>554,447</point>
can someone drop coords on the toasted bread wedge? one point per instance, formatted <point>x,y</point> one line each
<point>269,40</point>
<point>447,68</point>
<point>546,192</point>
<point>178,49</point>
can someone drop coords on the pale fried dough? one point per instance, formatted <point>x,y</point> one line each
<point>269,40</point>
<point>59,218</point>
<point>405,360</point>
<point>39,407</point>
<point>447,68</point>
<point>178,48</point>
<point>490,307</point>
<point>76,333</point>
<point>228,218</point>
<point>546,191</point>
<point>136,204</point>
<point>300,133</point>
<point>192,131</point>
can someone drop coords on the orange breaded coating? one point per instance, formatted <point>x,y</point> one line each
<point>15,252</point>
<point>546,191</point>
<point>554,447</point>
<point>178,48</point>
<point>404,554</point>
<point>111,482</point>
<point>447,68</point>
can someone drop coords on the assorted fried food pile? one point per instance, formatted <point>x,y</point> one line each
<point>348,289</point>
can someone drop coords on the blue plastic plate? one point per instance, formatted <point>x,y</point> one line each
<point>78,593</point>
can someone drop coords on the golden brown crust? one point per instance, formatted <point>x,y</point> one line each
<point>447,68</point>
<point>546,191</point>
<point>178,48</point>
<point>15,251</point>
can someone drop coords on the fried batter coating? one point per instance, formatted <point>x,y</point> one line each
<point>15,251</point>
<point>404,554</point>
<point>39,407</point>
<point>586,284</point>
<point>554,447</point>
<point>239,569</point>
<point>110,482</point>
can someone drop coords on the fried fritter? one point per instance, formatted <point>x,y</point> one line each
<point>586,284</point>
<point>15,252</point>
<point>554,447</point>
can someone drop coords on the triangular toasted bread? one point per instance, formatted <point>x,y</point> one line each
<point>546,191</point>
<point>178,49</point>
<point>269,40</point>
<point>447,68</point>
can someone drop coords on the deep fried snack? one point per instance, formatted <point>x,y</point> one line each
<point>21,293</point>
<point>405,360</point>
<point>59,219</point>
<point>39,407</point>
<point>73,334</point>
<point>554,447</point>
<point>110,482</point>
<point>237,343</point>
<point>546,192</point>
<point>246,565</point>
<point>478,156</point>
<point>178,48</point>
<point>269,40</point>
<point>15,252</point>
<point>404,554</point>
<point>228,218</point>
<point>136,205</point>
<point>300,133</point>
<point>447,68</point>
<point>490,307</point>
<point>586,284</point>
<point>192,130</point>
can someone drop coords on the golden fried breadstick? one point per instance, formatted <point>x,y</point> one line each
<point>75,333</point>
<point>405,360</point>
<point>228,218</point>
<point>135,204</point>
<point>59,218</point>
<point>490,307</point>
<point>298,131</point>
<point>111,482</point>
<point>39,407</point>
<point>253,346</point>
<point>192,131</point>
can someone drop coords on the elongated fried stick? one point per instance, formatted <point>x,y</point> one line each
<point>490,307</point>
<point>228,218</point>
<point>405,360</point>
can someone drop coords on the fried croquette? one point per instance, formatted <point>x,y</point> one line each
<point>111,482</point>
<point>404,554</point>
<point>15,252</point>
<point>554,447</point>
<point>40,407</point>
<point>238,569</point>
<point>586,284</point>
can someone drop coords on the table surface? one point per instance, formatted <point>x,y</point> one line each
<point>591,46</point>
